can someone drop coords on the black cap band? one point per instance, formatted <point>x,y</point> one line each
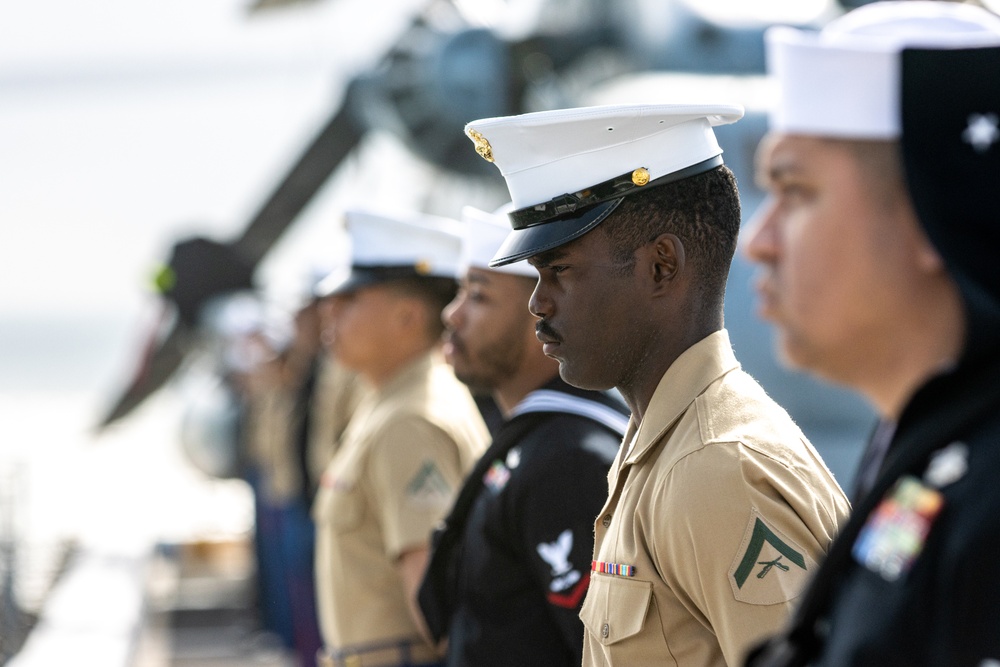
<point>540,228</point>
<point>615,188</point>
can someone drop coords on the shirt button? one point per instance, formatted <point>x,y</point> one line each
<point>606,520</point>
<point>606,630</point>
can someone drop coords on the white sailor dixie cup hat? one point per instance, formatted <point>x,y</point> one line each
<point>926,74</point>
<point>390,245</point>
<point>567,170</point>
<point>482,235</point>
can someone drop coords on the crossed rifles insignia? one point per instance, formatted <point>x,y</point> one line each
<point>763,535</point>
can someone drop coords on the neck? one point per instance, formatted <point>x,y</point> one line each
<point>891,389</point>
<point>638,388</point>
<point>513,390</point>
<point>919,349</point>
<point>390,367</point>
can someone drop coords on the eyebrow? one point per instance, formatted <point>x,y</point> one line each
<point>544,259</point>
<point>476,278</point>
<point>776,171</point>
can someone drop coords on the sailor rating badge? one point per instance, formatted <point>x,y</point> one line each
<point>568,584</point>
<point>895,532</point>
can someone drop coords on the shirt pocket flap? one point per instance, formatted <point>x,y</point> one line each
<point>615,607</point>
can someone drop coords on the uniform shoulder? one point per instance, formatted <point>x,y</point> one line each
<point>737,409</point>
<point>755,438</point>
<point>403,426</point>
<point>439,399</point>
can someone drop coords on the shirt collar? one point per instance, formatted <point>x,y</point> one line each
<point>687,378</point>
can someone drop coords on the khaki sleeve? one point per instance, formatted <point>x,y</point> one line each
<point>732,550</point>
<point>414,475</point>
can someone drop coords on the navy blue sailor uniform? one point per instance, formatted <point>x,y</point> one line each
<point>912,577</point>
<point>512,563</point>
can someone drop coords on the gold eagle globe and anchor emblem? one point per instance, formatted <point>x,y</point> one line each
<point>482,145</point>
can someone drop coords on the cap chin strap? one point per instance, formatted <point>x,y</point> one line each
<point>615,188</point>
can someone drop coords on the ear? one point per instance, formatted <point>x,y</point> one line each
<point>667,254</point>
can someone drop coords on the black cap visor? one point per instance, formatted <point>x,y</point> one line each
<point>521,244</point>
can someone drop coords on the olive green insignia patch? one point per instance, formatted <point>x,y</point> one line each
<point>428,486</point>
<point>761,535</point>
<point>769,568</point>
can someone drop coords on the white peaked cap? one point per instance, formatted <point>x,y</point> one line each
<point>388,244</point>
<point>483,234</point>
<point>546,154</point>
<point>568,170</point>
<point>843,81</point>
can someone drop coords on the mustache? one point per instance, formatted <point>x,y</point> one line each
<point>544,330</point>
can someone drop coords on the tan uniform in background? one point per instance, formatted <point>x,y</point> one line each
<point>718,513</point>
<point>272,409</point>
<point>272,412</point>
<point>393,478</point>
<point>276,407</point>
<point>337,395</point>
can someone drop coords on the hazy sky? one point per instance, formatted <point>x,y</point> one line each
<point>125,124</point>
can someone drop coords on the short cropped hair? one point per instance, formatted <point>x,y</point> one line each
<point>703,211</point>
<point>435,292</point>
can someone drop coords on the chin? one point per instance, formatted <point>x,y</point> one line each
<point>475,383</point>
<point>786,352</point>
<point>797,354</point>
<point>580,379</point>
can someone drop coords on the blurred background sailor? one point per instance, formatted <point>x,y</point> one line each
<point>513,560</point>
<point>336,395</point>
<point>407,446</point>
<point>877,264</point>
<point>298,403</point>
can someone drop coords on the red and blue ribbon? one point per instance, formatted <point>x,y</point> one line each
<point>619,569</point>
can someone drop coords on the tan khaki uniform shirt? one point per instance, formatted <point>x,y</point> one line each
<point>401,460</point>
<point>337,395</point>
<point>273,410</point>
<point>716,518</point>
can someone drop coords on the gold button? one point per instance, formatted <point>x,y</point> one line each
<point>606,520</point>
<point>640,177</point>
<point>606,630</point>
